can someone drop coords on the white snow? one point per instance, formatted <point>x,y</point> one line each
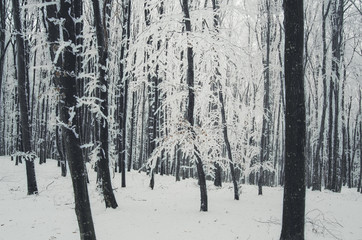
<point>170,211</point>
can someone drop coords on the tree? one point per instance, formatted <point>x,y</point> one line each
<point>103,164</point>
<point>65,80</point>
<point>23,101</point>
<point>124,80</point>
<point>265,132</point>
<point>190,108</point>
<point>2,60</point>
<point>215,6</point>
<point>337,39</point>
<point>294,189</point>
<point>2,41</point>
<point>317,164</point>
<point>359,126</point>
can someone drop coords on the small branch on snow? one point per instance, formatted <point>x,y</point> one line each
<point>46,188</point>
<point>270,221</point>
<point>320,223</point>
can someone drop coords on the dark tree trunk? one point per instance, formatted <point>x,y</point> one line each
<point>133,113</point>
<point>337,32</point>
<point>213,104</point>
<point>124,80</point>
<point>345,127</point>
<point>294,189</point>
<point>360,158</point>
<point>309,142</point>
<point>2,45</point>
<point>330,129</point>
<point>330,137</point>
<point>43,131</point>
<point>142,150</point>
<point>359,125</point>
<point>265,133</point>
<point>66,82</point>
<point>178,162</point>
<point>218,175</point>
<point>23,100</point>
<point>152,89</point>
<point>103,164</point>
<point>349,148</point>
<point>227,143</point>
<point>59,140</point>
<point>190,108</point>
<point>81,112</point>
<point>330,132</point>
<point>317,164</point>
<point>153,99</point>
<point>3,48</point>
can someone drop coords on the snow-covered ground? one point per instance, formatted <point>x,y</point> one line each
<point>170,211</point>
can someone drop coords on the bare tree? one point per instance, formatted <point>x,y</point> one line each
<point>190,108</point>
<point>215,6</point>
<point>294,189</point>
<point>65,79</point>
<point>103,164</point>
<point>317,164</point>
<point>23,101</point>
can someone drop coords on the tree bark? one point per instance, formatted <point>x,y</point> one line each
<point>2,44</point>
<point>265,133</point>
<point>190,108</point>
<point>66,82</point>
<point>359,188</point>
<point>216,92</point>
<point>294,189</point>
<point>132,133</point>
<point>348,146</point>
<point>318,164</point>
<point>178,157</point>
<point>23,100</point>
<point>126,8</point>
<point>228,147</point>
<point>337,32</point>
<point>103,164</point>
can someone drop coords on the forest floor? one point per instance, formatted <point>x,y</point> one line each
<point>170,211</point>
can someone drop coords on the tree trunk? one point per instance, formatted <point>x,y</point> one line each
<point>294,189</point>
<point>103,164</point>
<point>227,143</point>
<point>133,112</point>
<point>178,162</point>
<point>265,132</point>
<point>142,150</point>
<point>81,112</point>
<point>60,145</point>
<point>66,83</point>
<point>213,104</point>
<point>126,8</point>
<point>218,175</point>
<point>359,188</point>
<point>2,46</point>
<point>215,6</point>
<point>360,158</point>
<point>318,163</point>
<point>330,129</point>
<point>152,90</point>
<point>348,146</point>
<point>190,108</point>
<point>23,100</point>
<point>337,32</point>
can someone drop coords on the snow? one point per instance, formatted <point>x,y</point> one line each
<point>170,211</point>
